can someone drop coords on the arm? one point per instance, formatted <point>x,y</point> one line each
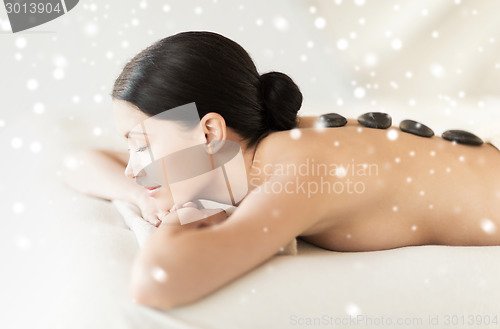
<point>194,263</point>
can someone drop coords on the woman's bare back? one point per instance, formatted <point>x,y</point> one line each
<point>383,189</point>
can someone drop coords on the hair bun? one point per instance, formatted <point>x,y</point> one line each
<point>282,100</point>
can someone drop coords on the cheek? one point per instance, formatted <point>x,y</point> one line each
<point>164,200</point>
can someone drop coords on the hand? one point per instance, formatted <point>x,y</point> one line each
<point>149,210</point>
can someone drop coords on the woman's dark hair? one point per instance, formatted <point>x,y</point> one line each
<point>218,75</point>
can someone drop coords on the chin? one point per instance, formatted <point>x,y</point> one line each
<point>163,199</point>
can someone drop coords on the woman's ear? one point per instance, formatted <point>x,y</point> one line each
<point>215,130</point>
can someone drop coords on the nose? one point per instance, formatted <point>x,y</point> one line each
<point>129,172</point>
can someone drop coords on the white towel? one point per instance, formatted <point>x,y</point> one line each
<point>142,229</point>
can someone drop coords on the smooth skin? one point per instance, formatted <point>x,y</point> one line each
<point>386,191</point>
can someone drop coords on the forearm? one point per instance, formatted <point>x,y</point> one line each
<point>98,173</point>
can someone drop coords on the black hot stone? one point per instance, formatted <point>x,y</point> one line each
<point>416,128</point>
<point>332,120</point>
<point>376,120</point>
<point>462,137</point>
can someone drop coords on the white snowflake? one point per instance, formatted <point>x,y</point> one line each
<point>320,23</point>
<point>97,98</point>
<point>342,44</point>
<point>36,147</point>
<point>16,142</point>
<point>38,108</point>
<point>437,70</point>
<point>488,226</point>
<point>91,29</point>
<point>23,242</point>
<point>97,131</point>
<point>18,207</point>
<point>60,61</point>
<point>370,59</point>
<point>159,274</point>
<point>392,134</point>
<point>21,42</point>
<point>295,133</point>
<point>58,74</point>
<point>359,92</point>
<point>352,309</point>
<point>71,162</point>
<point>340,172</point>
<point>32,84</point>
<point>396,44</point>
<point>280,23</point>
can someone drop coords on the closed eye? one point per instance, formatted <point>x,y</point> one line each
<point>140,149</point>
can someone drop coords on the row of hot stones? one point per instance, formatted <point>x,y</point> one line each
<point>379,120</point>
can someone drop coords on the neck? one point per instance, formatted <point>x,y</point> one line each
<point>249,158</point>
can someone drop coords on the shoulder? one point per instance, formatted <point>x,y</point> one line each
<point>282,145</point>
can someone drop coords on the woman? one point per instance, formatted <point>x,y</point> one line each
<point>346,189</point>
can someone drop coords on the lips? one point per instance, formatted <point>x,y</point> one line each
<point>152,190</point>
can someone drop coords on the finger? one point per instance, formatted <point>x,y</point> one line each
<point>152,220</point>
<point>189,204</point>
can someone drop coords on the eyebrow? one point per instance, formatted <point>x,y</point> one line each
<point>135,132</point>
